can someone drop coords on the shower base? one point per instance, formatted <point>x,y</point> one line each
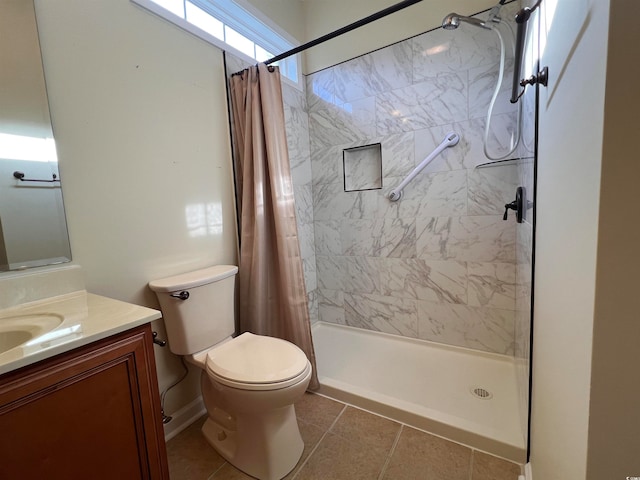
<point>460,394</point>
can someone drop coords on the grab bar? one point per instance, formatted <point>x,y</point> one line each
<point>450,140</point>
<point>20,176</point>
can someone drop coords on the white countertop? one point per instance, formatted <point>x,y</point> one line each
<point>84,318</point>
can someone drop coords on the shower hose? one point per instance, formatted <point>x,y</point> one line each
<point>492,104</point>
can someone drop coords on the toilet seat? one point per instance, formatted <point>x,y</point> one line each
<point>256,362</point>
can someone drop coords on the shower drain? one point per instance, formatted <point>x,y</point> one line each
<point>481,393</point>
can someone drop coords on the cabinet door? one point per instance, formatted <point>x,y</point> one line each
<point>92,413</point>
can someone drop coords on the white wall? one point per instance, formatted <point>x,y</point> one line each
<point>568,182</point>
<point>324,16</point>
<point>288,15</point>
<point>140,117</point>
<point>23,99</point>
<point>614,417</point>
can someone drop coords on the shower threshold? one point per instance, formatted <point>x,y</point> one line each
<point>464,395</point>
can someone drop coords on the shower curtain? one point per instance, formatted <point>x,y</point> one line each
<point>273,298</point>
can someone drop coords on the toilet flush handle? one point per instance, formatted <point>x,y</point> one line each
<point>182,295</point>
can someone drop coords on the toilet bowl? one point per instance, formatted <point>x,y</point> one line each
<point>249,383</point>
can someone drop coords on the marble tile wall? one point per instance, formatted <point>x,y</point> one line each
<point>440,264</point>
<point>297,130</point>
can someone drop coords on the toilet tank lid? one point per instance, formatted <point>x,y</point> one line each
<point>188,280</point>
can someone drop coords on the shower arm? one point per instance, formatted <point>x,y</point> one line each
<point>450,140</point>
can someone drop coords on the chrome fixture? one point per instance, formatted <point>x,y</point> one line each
<point>452,21</point>
<point>184,295</point>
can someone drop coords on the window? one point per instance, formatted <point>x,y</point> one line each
<point>227,25</point>
<point>19,147</point>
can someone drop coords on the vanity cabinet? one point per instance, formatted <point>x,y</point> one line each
<point>90,413</point>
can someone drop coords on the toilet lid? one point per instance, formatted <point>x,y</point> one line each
<point>252,359</point>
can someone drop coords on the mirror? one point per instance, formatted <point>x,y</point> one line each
<point>33,228</point>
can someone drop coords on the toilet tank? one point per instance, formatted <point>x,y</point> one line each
<point>204,315</point>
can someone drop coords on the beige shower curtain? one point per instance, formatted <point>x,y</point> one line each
<point>273,298</point>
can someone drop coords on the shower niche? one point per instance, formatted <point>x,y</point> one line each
<point>362,167</point>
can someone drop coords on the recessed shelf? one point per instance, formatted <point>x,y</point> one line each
<point>362,167</point>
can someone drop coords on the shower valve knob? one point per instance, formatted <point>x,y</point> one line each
<point>509,206</point>
<point>520,205</point>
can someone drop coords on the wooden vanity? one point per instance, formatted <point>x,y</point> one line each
<point>91,411</point>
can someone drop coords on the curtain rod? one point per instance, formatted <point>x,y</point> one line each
<point>340,31</point>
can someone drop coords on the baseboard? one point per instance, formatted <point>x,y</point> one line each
<point>528,475</point>
<point>183,418</point>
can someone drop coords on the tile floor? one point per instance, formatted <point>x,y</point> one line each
<point>345,443</point>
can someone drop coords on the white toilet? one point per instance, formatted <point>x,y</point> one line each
<point>249,383</point>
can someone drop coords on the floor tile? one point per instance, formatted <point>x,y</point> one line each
<point>311,435</point>
<point>361,426</point>
<point>346,443</point>
<point>419,455</point>
<point>190,456</point>
<point>339,458</point>
<point>229,472</point>
<point>318,410</point>
<point>488,467</point>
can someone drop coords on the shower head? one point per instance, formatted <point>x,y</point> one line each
<point>452,21</point>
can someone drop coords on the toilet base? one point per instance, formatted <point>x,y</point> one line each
<point>267,446</point>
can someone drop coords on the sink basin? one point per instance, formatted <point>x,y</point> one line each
<point>19,329</point>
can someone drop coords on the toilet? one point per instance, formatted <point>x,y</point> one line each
<point>249,382</point>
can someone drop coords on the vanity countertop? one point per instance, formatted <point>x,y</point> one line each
<point>80,318</point>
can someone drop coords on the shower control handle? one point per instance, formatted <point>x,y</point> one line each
<point>509,206</point>
<point>520,205</point>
